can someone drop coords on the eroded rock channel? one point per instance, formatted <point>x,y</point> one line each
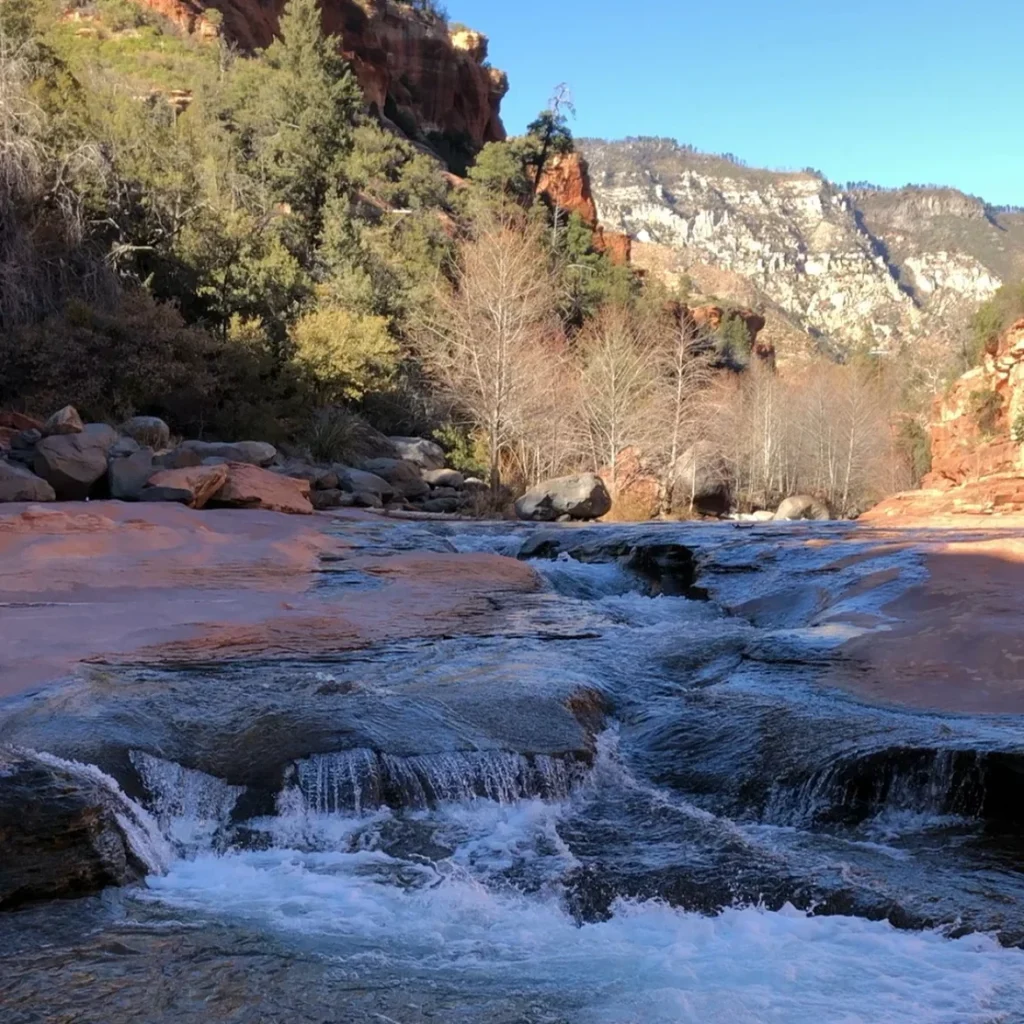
<point>518,775</point>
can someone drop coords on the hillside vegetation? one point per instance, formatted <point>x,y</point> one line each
<point>230,241</point>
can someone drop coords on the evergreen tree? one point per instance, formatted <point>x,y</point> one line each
<point>305,116</point>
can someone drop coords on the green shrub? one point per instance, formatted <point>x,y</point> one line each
<point>986,407</point>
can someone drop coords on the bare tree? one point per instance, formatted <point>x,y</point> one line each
<point>618,384</point>
<point>482,338</point>
<point>685,372</point>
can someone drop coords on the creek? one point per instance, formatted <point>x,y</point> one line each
<point>731,841</point>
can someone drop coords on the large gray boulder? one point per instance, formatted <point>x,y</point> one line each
<point>578,497</point>
<point>358,481</point>
<point>149,431</point>
<point>701,479</point>
<point>419,451</point>
<point>129,474</point>
<point>73,464</point>
<point>402,475</point>
<point>62,830</point>
<point>20,484</point>
<point>255,453</point>
<point>63,421</point>
<point>803,506</point>
<point>444,478</point>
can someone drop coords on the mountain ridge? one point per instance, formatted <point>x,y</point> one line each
<point>855,268</point>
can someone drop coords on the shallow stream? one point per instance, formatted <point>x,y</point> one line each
<point>739,844</point>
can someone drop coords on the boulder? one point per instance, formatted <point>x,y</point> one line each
<point>61,831</point>
<point>20,484</point>
<point>803,506</point>
<point>366,499</point>
<point>123,447</point>
<point>193,486</point>
<point>129,474</point>
<point>578,497</point>
<point>419,451</point>
<point>255,453</point>
<point>63,421</point>
<point>441,505</point>
<point>102,434</point>
<point>73,464</point>
<point>319,478</point>
<point>472,483</point>
<point>19,421</point>
<point>23,446</point>
<point>331,499</point>
<point>445,478</point>
<point>402,475</point>
<point>358,481</point>
<point>248,486</point>
<point>701,476</point>
<point>178,458</point>
<point>148,431</point>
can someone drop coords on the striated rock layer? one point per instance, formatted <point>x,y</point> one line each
<point>977,454</point>
<point>431,81</point>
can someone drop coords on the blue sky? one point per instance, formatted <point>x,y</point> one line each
<point>888,92</point>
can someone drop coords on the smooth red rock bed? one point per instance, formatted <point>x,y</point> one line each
<point>163,583</point>
<point>958,644</point>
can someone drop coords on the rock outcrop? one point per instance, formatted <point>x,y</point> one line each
<point>432,81</point>
<point>63,830</point>
<point>977,439</point>
<point>974,423</point>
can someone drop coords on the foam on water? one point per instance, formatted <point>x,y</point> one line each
<point>190,806</point>
<point>648,963</point>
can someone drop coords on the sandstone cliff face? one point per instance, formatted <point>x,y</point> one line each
<point>432,82</point>
<point>964,447</point>
<point>851,268</point>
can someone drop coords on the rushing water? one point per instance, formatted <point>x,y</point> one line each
<point>742,847</point>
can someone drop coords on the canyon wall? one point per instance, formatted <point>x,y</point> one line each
<point>432,80</point>
<point>851,269</point>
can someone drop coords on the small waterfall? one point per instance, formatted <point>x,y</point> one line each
<point>928,782</point>
<point>361,780</point>
<point>140,829</point>
<point>191,807</point>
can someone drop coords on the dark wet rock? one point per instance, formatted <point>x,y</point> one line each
<point>148,431</point>
<point>59,831</point>
<point>366,499</point>
<point>63,421</point>
<point>428,455</point>
<point>403,476</point>
<point>73,464</point>
<point>803,506</point>
<point>130,473</point>
<point>17,483</point>
<point>579,497</point>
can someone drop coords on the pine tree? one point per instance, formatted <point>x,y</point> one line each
<point>309,107</point>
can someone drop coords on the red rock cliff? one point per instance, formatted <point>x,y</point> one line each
<point>412,67</point>
<point>973,422</point>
